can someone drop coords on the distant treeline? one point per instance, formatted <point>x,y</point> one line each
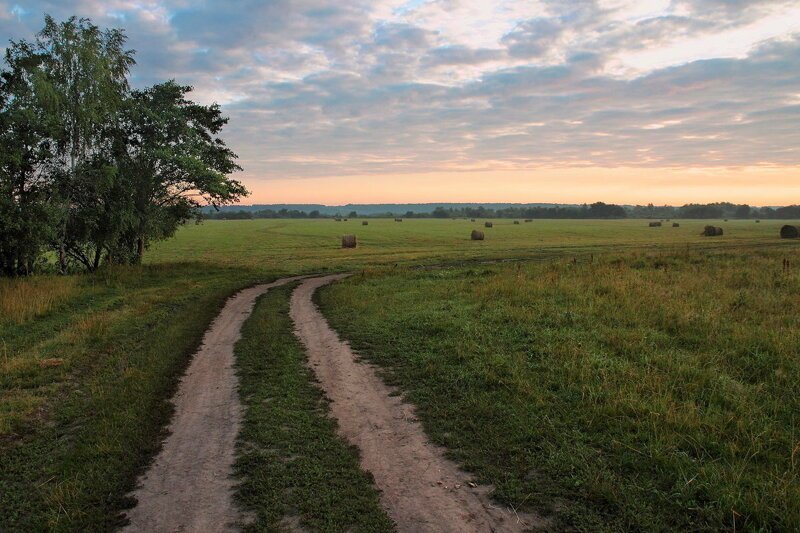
<point>587,211</point>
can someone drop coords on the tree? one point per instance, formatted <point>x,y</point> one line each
<point>602,210</point>
<point>172,163</point>
<point>26,217</point>
<point>742,211</point>
<point>74,80</point>
<point>440,212</point>
<point>91,168</point>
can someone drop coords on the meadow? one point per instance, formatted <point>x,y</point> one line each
<point>293,246</point>
<point>612,361</point>
<point>643,391</point>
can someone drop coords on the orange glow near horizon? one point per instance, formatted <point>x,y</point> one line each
<point>626,185</point>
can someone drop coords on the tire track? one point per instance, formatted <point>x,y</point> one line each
<point>189,486</point>
<point>420,489</point>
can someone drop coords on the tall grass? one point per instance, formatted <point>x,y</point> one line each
<point>27,298</point>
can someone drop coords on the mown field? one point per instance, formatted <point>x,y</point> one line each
<point>315,245</point>
<point>602,383</point>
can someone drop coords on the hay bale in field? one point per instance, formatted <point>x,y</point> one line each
<point>349,241</point>
<point>365,223</point>
<point>337,219</point>
<point>398,220</point>
<point>476,235</point>
<point>472,220</point>
<point>676,225</point>
<point>516,222</point>
<point>655,224</point>
<point>758,222</point>
<point>790,232</point>
<point>712,231</point>
<point>345,220</point>
<point>528,220</point>
<point>487,225</point>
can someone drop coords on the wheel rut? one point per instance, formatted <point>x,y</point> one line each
<point>420,489</point>
<point>189,486</point>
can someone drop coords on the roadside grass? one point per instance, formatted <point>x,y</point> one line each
<point>84,388</point>
<point>295,473</point>
<point>636,392</point>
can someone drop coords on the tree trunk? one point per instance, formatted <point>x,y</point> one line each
<point>62,259</point>
<point>139,251</point>
<point>97,255</point>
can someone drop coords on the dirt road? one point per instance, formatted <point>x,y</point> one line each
<point>420,489</point>
<point>189,486</point>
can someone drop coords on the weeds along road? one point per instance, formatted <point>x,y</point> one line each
<point>190,487</point>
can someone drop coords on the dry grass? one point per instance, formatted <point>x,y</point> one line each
<point>27,298</point>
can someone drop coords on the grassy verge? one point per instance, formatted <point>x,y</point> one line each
<point>86,373</point>
<point>295,471</point>
<point>638,392</point>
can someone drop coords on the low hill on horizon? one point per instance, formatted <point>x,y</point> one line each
<point>379,209</point>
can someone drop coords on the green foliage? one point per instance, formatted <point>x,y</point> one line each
<point>172,162</point>
<point>91,168</point>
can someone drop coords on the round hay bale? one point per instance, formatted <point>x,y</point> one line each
<point>488,225</point>
<point>398,220</point>
<point>476,235</point>
<point>365,223</point>
<point>676,225</point>
<point>712,231</point>
<point>655,224</point>
<point>516,222</point>
<point>790,232</point>
<point>758,222</point>
<point>349,241</point>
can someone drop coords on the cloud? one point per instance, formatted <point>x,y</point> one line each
<point>389,86</point>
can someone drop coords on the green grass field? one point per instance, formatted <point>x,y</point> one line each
<point>654,387</point>
<point>293,246</point>
<point>637,392</point>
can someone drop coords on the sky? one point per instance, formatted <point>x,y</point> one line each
<point>469,100</point>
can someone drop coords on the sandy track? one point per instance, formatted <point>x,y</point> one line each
<point>189,486</point>
<point>420,489</point>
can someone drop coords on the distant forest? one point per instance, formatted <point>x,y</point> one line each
<point>596,210</point>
